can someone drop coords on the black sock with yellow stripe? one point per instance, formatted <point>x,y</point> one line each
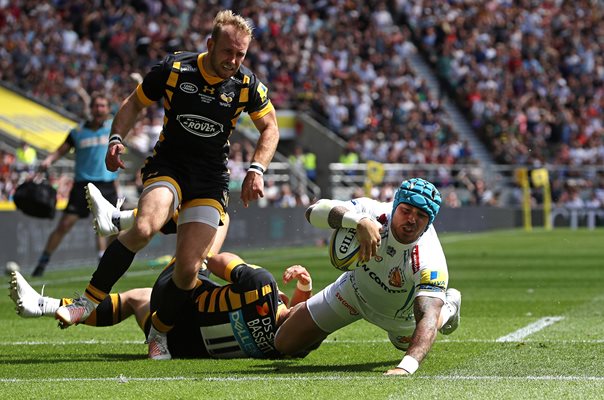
<point>107,313</point>
<point>172,299</point>
<point>114,263</point>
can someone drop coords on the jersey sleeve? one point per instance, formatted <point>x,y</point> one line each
<point>429,266</point>
<point>70,140</point>
<point>259,103</point>
<point>153,86</point>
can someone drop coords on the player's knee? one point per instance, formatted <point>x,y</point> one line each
<point>143,231</point>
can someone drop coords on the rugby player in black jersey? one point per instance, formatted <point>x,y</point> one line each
<point>203,96</point>
<point>236,320</point>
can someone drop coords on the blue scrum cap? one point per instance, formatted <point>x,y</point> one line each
<point>419,193</point>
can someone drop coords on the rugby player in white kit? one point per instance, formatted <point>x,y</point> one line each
<point>399,284</point>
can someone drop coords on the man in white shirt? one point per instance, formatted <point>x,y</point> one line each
<point>399,284</point>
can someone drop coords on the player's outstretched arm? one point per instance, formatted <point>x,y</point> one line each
<point>427,312</point>
<point>335,214</point>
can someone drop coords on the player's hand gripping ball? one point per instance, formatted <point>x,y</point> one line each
<point>344,249</point>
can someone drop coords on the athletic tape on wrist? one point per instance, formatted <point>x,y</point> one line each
<point>409,364</point>
<point>304,287</point>
<point>257,168</point>
<point>350,219</point>
<point>115,138</point>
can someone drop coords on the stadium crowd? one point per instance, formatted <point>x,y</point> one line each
<point>345,62</point>
<point>530,73</point>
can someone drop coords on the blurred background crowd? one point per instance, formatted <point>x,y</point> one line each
<point>528,76</point>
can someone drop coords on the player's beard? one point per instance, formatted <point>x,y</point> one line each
<point>219,68</point>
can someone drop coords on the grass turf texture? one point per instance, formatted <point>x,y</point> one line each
<point>509,280</point>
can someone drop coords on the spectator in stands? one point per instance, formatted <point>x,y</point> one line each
<point>89,140</point>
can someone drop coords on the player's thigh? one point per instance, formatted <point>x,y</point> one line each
<point>335,306</point>
<point>193,242</point>
<point>155,207</point>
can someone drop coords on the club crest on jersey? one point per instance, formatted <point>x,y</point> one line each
<point>188,87</point>
<point>199,126</point>
<point>395,278</point>
<point>227,99</point>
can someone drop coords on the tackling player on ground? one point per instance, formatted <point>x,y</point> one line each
<point>400,284</point>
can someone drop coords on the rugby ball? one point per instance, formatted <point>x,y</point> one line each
<point>344,249</point>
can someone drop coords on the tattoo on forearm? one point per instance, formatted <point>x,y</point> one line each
<point>426,310</point>
<point>335,216</point>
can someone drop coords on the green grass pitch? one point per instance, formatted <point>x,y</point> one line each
<point>532,327</point>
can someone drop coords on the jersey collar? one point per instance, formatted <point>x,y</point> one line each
<point>212,80</point>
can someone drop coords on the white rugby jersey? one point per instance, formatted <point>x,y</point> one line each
<point>387,285</point>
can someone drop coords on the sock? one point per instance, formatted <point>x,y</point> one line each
<point>171,300</point>
<point>107,313</point>
<point>44,259</point>
<point>49,305</point>
<point>114,263</point>
<point>124,220</point>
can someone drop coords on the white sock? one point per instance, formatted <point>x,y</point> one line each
<point>49,305</point>
<point>126,219</point>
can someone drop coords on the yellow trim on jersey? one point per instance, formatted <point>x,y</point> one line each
<point>244,95</point>
<point>165,179</point>
<point>251,296</point>
<point>167,105</point>
<point>230,267</point>
<point>201,301</point>
<point>259,114</point>
<point>266,289</point>
<point>170,94</point>
<point>212,80</point>
<point>212,305</point>
<point>142,97</point>
<point>234,299</point>
<point>246,79</point>
<point>434,278</point>
<point>173,78</point>
<point>222,303</point>
<point>205,202</point>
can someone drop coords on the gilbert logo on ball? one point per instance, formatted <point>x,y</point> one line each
<point>344,249</point>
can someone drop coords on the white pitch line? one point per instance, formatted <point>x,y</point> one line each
<point>530,329</point>
<point>263,378</point>
<point>141,342</point>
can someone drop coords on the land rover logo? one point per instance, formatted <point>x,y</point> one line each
<point>199,126</point>
<point>188,88</point>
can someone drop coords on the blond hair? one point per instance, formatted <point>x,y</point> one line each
<point>228,17</point>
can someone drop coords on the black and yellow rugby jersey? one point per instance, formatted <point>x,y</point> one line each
<point>201,111</point>
<point>237,320</point>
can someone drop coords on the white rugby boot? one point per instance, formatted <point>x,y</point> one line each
<point>106,216</point>
<point>29,303</point>
<point>74,313</point>
<point>453,297</point>
<point>158,345</point>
